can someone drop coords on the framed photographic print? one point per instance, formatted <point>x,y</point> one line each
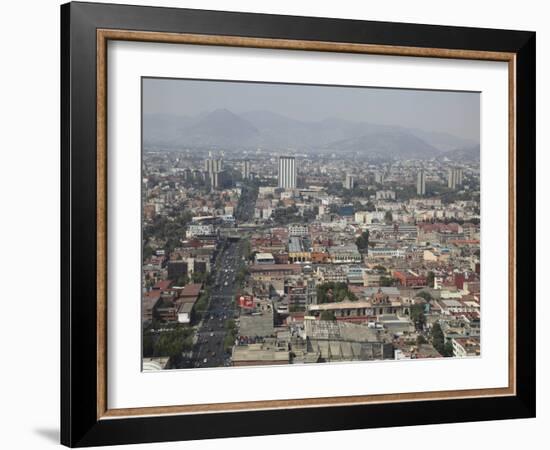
<point>277,224</point>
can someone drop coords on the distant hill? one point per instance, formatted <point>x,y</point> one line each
<point>443,141</point>
<point>163,128</point>
<point>464,154</point>
<point>394,143</point>
<point>222,128</point>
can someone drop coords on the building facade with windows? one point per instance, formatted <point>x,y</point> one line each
<point>287,172</point>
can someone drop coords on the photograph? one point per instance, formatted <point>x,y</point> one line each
<point>289,223</point>
<point>280,223</point>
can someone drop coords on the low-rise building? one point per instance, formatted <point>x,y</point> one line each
<point>260,354</point>
<point>408,278</point>
<point>264,258</point>
<point>344,254</point>
<point>463,347</point>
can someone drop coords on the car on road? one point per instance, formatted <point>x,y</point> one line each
<point>205,360</point>
<point>211,334</point>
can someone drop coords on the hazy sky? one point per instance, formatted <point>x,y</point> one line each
<point>440,111</point>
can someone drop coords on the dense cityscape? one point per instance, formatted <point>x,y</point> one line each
<point>263,257</point>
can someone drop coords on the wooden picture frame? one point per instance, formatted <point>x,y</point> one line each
<point>86,418</point>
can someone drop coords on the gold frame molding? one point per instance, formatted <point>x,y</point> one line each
<point>105,35</point>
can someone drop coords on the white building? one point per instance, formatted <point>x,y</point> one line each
<point>264,258</point>
<point>246,170</point>
<point>184,312</point>
<point>454,178</point>
<point>199,230</point>
<point>287,172</point>
<point>421,183</point>
<point>349,182</point>
<point>386,252</point>
<point>385,195</point>
<point>298,230</point>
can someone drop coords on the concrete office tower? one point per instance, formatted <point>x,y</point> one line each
<point>349,182</point>
<point>454,178</point>
<point>212,168</point>
<point>379,177</point>
<point>213,165</point>
<point>421,183</point>
<point>246,170</point>
<point>287,172</point>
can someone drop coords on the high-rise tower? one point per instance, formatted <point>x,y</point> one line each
<point>421,183</point>
<point>287,172</point>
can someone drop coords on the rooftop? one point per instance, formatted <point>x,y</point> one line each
<point>275,267</point>
<point>340,331</point>
<point>191,290</point>
<point>259,352</point>
<point>295,245</point>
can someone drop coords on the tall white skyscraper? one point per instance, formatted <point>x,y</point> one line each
<point>213,167</point>
<point>349,182</point>
<point>246,170</point>
<point>287,172</point>
<point>421,183</point>
<point>454,178</point>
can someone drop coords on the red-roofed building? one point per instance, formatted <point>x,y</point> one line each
<point>162,285</point>
<point>409,278</point>
<point>189,292</point>
<point>148,303</point>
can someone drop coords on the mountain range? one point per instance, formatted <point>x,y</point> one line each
<point>222,128</point>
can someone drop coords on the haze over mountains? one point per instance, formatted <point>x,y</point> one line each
<point>222,128</point>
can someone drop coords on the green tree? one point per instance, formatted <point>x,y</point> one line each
<point>241,275</point>
<point>448,349</point>
<point>231,335</point>
<point>421,340</point>
<point>386,281</point>
<point>202,305</point>
<point>328,315</point>
<point>417,316</point>
<point>334,292</point>
<point>425,295</point>
<point>430,279</point>
<point>173,343</point>
<point>362,241</point>
<point>388,217</point>
<point>199,277</point>
<point>148,345</point>
<point>182,281</point>
<point>438,339</point>
<point>147,252</point>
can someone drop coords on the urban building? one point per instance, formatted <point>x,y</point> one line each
<point>246,170</point>
<point>454,178</point>
<point>385,195</point>
<point>349,182</point>
<point>213,169</point>
<point>287,172</point>
<point>421,183</point>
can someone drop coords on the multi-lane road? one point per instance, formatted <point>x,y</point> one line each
<point>211,333</point>
<point>208,350</point>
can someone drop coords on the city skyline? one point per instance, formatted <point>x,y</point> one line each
<point>270,241</point>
